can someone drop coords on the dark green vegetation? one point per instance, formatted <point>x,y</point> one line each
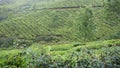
<point>99,54</point>
<point>34,33</point>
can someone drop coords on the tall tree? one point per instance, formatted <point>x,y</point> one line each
<point>112,12</point>
<point>112,18</point>
<point>86,27</point>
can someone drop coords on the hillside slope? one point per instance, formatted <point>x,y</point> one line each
<point>20,19</point>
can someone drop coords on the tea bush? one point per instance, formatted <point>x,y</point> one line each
<point>17,61</point>
<point>85,58</point>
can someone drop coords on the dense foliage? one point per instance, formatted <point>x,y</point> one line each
<point>31,33</point>
<point>106,55</point>
<point>112,17</point>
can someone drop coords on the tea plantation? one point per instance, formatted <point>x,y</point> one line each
<point>59,34</point>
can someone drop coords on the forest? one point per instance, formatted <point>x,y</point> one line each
<point>59,34</point>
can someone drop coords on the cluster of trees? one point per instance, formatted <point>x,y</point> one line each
<point>111,19</point>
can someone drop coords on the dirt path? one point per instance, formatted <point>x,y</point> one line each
<point>69,7</point>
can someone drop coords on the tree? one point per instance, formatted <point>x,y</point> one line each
<point>112,13</point>
<point>86,27</point>
<point>112,17</point>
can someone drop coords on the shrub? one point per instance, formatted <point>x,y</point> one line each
<point>18,43</point>
<point>17,61</point>
<point>6,42</point>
